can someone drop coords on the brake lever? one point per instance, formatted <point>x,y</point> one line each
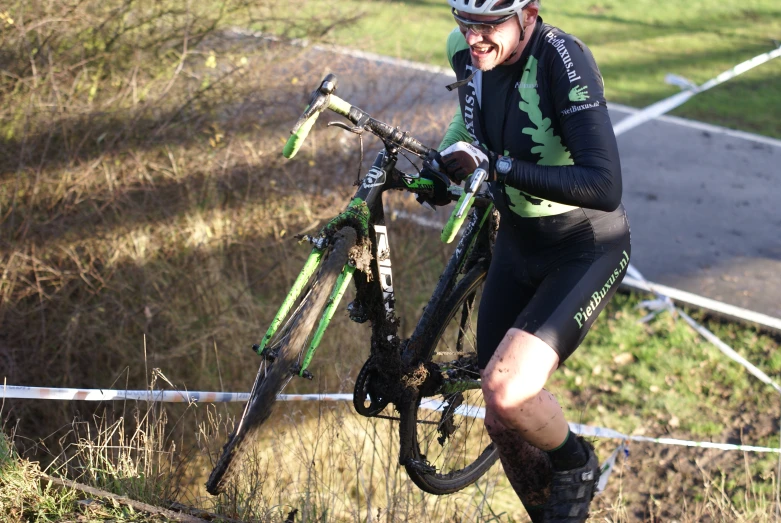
<point>478,177</point>
<point>342,125</point>
<point>425,203</point>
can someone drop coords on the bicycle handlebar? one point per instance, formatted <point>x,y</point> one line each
<point>324,98</point>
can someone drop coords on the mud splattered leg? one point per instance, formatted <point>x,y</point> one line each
<point>527,468</point>
<point>523,418</point>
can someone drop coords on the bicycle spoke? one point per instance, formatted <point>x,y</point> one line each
<point>454,448</point>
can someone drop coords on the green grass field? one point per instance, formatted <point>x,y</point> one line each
<point>635,43</point>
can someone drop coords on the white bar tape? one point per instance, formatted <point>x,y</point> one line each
<point>668,104</point>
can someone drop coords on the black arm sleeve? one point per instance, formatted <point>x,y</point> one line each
<point>594,179</point>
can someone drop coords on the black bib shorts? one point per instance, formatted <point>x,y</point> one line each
<point>552,278</point>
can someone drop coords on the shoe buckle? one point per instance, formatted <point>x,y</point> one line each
<point>588,476</point>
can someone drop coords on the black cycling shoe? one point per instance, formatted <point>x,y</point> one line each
<point>572,490</point>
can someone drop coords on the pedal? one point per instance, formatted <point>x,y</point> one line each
<point>357,312</point>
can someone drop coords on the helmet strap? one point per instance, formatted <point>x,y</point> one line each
<point>523,27</point>
<point>522,38</point>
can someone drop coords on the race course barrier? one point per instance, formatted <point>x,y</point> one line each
<point>690,89</point>
<point>161,396</point>
<point>188,396</point>
<point>185,396</point>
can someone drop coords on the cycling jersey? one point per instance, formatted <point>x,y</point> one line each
<point>548,110</point>
<point>563,243</point>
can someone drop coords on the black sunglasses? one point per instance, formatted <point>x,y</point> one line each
<point>480,27</point>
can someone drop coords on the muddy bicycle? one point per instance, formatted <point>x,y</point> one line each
<point>429,383</point>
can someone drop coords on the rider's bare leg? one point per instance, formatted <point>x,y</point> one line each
<point>513,384</point>
<point>513,389</point>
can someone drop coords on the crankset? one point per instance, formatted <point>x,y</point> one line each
<point>366,389</point>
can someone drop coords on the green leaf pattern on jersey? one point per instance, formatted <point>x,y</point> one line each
<point>550,148</point>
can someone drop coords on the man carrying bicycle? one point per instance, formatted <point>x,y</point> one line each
<point>533,114</point>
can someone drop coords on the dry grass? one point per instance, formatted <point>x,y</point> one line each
<point>323,462</point>
<point>146,222</point>
<point>142,195</point>
<point>333,465</point>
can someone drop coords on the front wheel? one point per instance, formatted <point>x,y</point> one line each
<point>448,446</point>
<point>286,346</point>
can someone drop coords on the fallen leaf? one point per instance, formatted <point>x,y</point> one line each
<point>625,358</point>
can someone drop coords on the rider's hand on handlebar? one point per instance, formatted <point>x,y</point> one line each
<point>441,195</point>
<point>461,159</point>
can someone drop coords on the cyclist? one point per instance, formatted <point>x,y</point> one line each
<point>532,112</point>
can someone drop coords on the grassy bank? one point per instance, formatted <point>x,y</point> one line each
<point>147,227</point>
<point>635,43</point>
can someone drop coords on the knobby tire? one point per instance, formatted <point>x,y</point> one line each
<point>271,379</point>
<point>450,472</point>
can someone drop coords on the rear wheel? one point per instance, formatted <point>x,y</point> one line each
<point>450,448</point>
<point>275,372</point>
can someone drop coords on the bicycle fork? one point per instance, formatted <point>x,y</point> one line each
<point>338,291</point>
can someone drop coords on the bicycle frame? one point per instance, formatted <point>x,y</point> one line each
<point>397,371</point>
<point>365,213</point>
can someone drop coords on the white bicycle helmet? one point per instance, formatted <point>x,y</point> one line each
<point>488,7</point>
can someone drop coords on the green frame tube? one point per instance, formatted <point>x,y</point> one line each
<point>486,214</point>
<point>451,228</point>
<point>333,301</point>
<point>295,291</point>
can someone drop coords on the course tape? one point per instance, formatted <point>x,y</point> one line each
<point>607,466</point>
<point>665,303</point>
<point>668,104</point>
<point>186,396</point>
<point>635,280</point>
<point>600,432</point>
<point>728,351</point>
<point>162,396</point>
